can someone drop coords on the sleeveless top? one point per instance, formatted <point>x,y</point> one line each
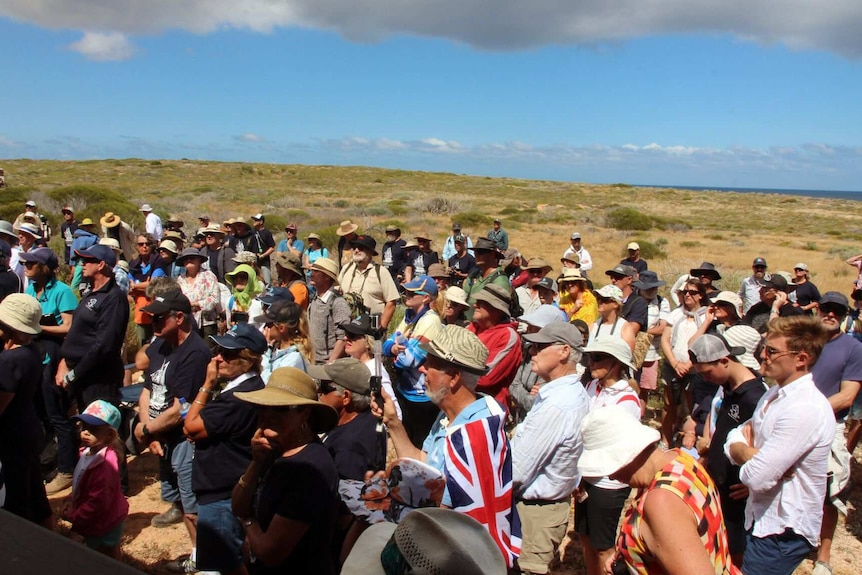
<point>689,481</point>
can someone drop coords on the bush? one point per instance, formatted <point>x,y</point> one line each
<point>440,206</point>
<point>475,220</point>
<point>397,207</point>
<point>628,219</point>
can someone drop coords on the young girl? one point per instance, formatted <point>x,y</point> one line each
<point>97,508</point>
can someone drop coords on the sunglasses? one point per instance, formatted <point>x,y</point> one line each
<point>354,336</point>
<point>538,347</point>
<point>836,310</point>
<point>144,244</point>
<point>771,353</point>
<point>229,354</point>
<point>691,292</point>
<point>29,265</point>
<point>598,357</point>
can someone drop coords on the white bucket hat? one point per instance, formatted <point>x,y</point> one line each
<point>456,295</point>
<point>614,346</point>
<point>22,313</point>
<point>613,438</point>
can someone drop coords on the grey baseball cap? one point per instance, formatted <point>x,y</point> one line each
<point>557,332</point>
<point>709,347</point>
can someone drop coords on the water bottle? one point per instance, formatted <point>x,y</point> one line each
<point>184,407</point>
<point>400,339</point>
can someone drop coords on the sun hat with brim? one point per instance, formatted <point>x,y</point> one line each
<point>86,222</point>
<point>327,266</point>
<point>174,219</point>
<point>456,295</point>
<point>614,346</point>
<point>571,258</point>
<point>30,229</point>
<point>346,228</point>
<point>557,332</point>
<point>730,298</point>
<point>99,253</point>
<point>496,296</point>
<point>610,292</point>
<point>612,438</point>
<point>292,387</point>
<point>313,237</point>
<point>411,243</point>
<point>100,412</point>
<point>706,269</point>
<point>110,220</point>
<point>190,253</point>
<point>242,336</point>
<point>648,280</point>
<point>6,228</point>
<point>289,262</point>
<point>146,208</point>
<point>747,338</point>
<point>212,229</point>
<point>422,285</point>
<point>365,242</point>
<point>169,246</point>
<point>437,271</point>
<point>544,315</point>
<point>21,312</point>
<point>538,264</point>
<point>460,347</point>
<point>348,372</point>
<point>430,540</point>
<point>570,275</point>
<point>487,245</point>
<point>111,243</point>
<point>44,256</point>
<point>174,300</point>
<point>709,347</point>
<point>424,236</point>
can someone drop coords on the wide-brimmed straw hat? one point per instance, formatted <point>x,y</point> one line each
<point>326,266</point>
<point>110,220</point>
<point>291,387</point>
<point>21,312</point>
<point>570,275</point>
<point>613,438</point>
<point>346,228</point>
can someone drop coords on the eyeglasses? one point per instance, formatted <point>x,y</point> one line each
<point>772,353</point>
<point>799,269</point>
<point>598,357</point>
<point>759,267</point>
<point>691,292</point>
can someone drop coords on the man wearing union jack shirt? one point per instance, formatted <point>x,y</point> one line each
<point>547,445</point>
<point>468,441</point>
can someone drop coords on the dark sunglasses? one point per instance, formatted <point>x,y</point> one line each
<point>229,354</point>
<point>836,310</point>
<point>30,264</point>
<point>537,347</point>
<point>145,243</point>
<point>691,292</point>
<point>354,336</point>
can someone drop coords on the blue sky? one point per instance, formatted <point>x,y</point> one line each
<point>746,94</point>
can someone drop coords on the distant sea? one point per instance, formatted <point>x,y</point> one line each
<point>838,195</point>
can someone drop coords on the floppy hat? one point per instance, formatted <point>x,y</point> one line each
<point>610,292</point>
<point>538,264</point>
<point>457,295</point>
<point>100,412</point>
<point>289,261</point>
<point>326,266</point>
<point>623,270</point>
<point>424,236</point>
<point>557,332</point>
<point>459,347</point>
<point>731,298</point>
<point>706,269</point>
<point>44,256</point>
<point>633,246</point>
<point>431,540</point>
<point>6,228</point>
<point>146,208</point>
<point>747,338</point>
<point>365,242</point>
<point>289,387</point>
<point>611,345</point>
<point>486,245</point>
<point>169,246</point>
<point>708,348</point>
<point>188,254</point>
<point>360,325</point>
<point>495,296</point>
<point>648,279</point>
<point>242,336</point>
<point>174,300</point>
<point>100,253</point>
<point>544,315</point>
<point>110,220</point>
<point>346,228</point>
<point>437,271</point>
<point>613,438</point>
<point>422,285</point>
<point>22,313</point>
<point>347,372</point>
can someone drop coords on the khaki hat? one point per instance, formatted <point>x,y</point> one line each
<point>437,271</point>
<point>326,266</point>
<point>730,298</point>
<point>313,237</point>
<point>169,246</point>
<point>289,262</point>
<point>111,243</point>
<point>611,345</point>
<point>538,264</point>
<point>21,312</point>
<point>571,257</point>
<point>411,243</point>
<point>110,220</point>
<point>497,297</point>
<point>245,257</point>
<point>348,372</point>
<point>633,246</point>
<point>346,228</point>
<point>212,229</point>
<point>289,386</point>
<point>174,219</point>
<point>570,275</point>
<point>423,236</point>
<point>459,347</point>
<point>456,295</point>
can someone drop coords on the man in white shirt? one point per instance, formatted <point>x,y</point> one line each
<point>784,451</point>
<point>749,291</point>
<point>581,252</point>
<point>547,445</point>
<point>449,249</point>
<point>153,222</point>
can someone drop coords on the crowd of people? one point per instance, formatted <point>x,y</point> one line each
<point>316,409</point>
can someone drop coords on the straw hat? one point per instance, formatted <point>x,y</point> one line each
<point>346,228</point>
<point>212,229</point>
<point>110,220</point>
<point>86,222</point>
<point>326,266</point>
<point>612,440</point>
<point>289,386</point>
<point>21,312</point>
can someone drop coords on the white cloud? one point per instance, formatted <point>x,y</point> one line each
<point>831,25</point>
<point>250,138</point>
<point>104,46</point>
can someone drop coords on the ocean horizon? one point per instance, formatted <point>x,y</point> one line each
<point>832,194</point>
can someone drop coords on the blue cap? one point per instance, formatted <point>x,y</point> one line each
<point>274,294</point>
<point>242,336</point>
<point>100,412</point>
<point>100,253</point>
<point>423,285</point>
<point>44,256</point>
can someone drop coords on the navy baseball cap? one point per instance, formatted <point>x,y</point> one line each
<point>100,253</point>
<point>44,256</point>
<point>242,336</point>
<point>274,294</point>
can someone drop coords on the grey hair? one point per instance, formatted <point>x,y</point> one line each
<point>575,355</point>
<point>469,380</point>
<point>358,401</point>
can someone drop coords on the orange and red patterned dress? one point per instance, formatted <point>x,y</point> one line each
<point>689,481</point>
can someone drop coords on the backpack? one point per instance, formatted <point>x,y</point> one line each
<point>355,300</point>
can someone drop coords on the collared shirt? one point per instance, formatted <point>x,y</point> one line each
<point>793,430</point>
<point>56,299</point>
<point>154,226</point>
<point>326,313</point>
<point>376,287</point>
<point>749,291</point>
<point>547,444</point>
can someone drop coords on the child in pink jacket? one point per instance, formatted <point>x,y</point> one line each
<point>97,508</point>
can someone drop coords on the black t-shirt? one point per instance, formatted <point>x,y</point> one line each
<point>261,240</point>
<point>393,257</point>
<point>20,430</point>
<point>640,265</point>
<point>737,407</point>
<point>223,456</point>
<point>9,283</point>
<point>420,261</point>
<point>304,488</point>
<point>636,309</point>
<point>463,265</point>
<point>807,293</point>
<point>356,447</point>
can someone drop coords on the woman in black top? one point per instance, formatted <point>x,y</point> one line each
<point>288,496</point>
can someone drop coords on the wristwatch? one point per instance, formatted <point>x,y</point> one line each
<point>145,430</point>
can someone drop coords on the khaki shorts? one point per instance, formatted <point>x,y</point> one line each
<point>543,526</point>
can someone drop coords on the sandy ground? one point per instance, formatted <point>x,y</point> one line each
<point>148,548</point>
